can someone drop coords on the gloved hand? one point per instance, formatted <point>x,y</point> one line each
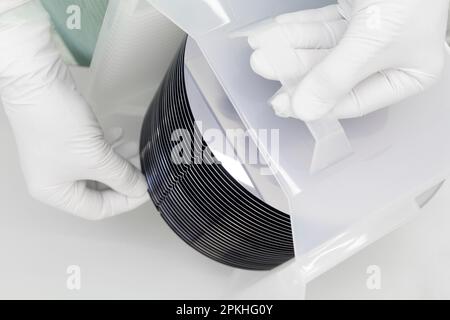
<point>60,142</point>
<point>358,56</point>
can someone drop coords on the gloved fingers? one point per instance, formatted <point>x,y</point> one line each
<point>115,203</point>
<point>120,175</point>
<point>376,92</point>
<point>98,205</point>
<point>262,65</point>
<point>127,150</point>
<point>315,35</point>
<point>327,83</point>
<point>310,58</point>
<point>328,13</point>
<point>281,104</point>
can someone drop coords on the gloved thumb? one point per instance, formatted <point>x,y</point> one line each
<point>76,198</point>
<point>281,104</point>
<point>120,175</point>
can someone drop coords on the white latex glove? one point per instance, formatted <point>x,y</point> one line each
<point>358,56</point>
<point>60,142</point>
